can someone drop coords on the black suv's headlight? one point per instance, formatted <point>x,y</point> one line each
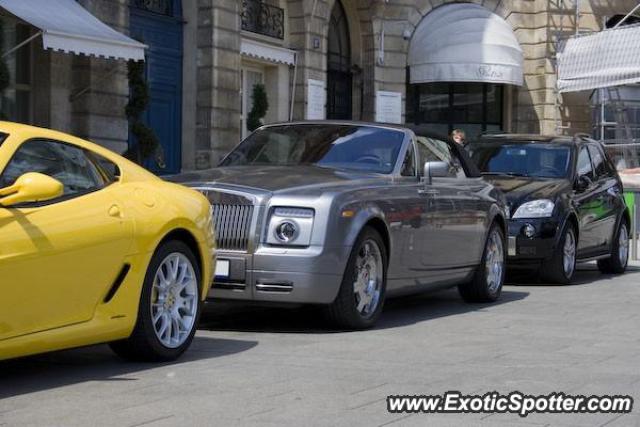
<point>289,226</point>
<point>541,208</point>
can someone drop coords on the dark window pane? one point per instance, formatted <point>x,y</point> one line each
<point>66,163</point>
<point>434,150</point>
<point>473,107</point>
<point>598,162</point>
<point>331,146</point>
<point>433,103</point>
<point>409,163</point>
<point>494,104</point>
<point>584,163</point>
<point>23,56</point>
<point>536,160</point>
<point>23,103</point>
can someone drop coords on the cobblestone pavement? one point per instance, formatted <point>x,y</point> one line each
<point>272,366</point>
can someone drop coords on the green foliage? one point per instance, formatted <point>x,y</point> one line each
<point>260,107</point>
<point>139,97</point>
<point>147,143</point>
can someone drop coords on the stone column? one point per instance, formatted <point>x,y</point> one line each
<point>218,98</point>
<point>100,89</point>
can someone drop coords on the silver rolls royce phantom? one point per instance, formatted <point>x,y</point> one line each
<point>346,214</point>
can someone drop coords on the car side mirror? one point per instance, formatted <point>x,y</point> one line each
<point>435,170</point>
<point>31,187</point>
<point>583,183</point>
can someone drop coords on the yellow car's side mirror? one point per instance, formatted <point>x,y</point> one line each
<point>31,187</point>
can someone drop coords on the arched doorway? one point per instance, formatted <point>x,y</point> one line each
<point>158,24</point>
<point>339,77</point>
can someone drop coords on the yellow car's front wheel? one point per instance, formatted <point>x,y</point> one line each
<point>169,306</point>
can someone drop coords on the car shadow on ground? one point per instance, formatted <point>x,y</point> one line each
<point>398,312</point>
<point>586,274</point>
<point>96,363</point>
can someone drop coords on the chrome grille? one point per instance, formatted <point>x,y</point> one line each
<point>232,225</point>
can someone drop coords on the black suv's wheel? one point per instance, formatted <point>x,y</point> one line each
<point>488,279</point>
<point>561,267</point>
<point>362,292</point>
<point>169,307</point>
<point>617,263</point>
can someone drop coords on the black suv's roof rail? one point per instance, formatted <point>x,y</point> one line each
<point>581,135</point>
<point>493,133</point>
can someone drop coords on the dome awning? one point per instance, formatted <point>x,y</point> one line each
<point>465,42</point>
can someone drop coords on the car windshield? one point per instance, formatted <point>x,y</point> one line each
<point>362,148</point>
<point>537,160</point>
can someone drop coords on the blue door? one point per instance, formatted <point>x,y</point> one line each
<point>158,24</point>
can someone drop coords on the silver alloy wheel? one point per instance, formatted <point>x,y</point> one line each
<point>369,275</point>
<point>494,261</point>
<point>569,253</point>
<point>174,300</point>
<point>623,245</point>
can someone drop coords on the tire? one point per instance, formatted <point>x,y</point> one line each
<point>561,267</point>
<point>158,341</point>
<point>617,263</point>
<point>486,284</point>
<point>361,298</point>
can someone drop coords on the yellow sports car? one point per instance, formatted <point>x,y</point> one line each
<point>95,249</point>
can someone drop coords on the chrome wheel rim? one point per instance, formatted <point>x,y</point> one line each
<point>494,263</point>
<point>369,275</point>
<point>569,254</point>
<point>174,300</point>
<point>623,245</point>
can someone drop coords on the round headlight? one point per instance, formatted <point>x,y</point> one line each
<point>286,231</point>
<point>529,230</point>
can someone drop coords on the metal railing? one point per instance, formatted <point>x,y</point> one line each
<point>261,18</point>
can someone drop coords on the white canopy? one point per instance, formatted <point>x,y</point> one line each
<point>463,42</point>
<point>68,27</point>
<point>607,58</point>
<point>263,51</point>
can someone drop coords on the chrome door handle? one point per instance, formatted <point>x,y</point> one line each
<point>423,192</point>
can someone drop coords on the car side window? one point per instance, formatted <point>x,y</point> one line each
<point>434,150</point>
<point>110,169</point>
<point>599,164</point>
<point>66,163</point>
<point>409,163</point>
<point>584,164</point>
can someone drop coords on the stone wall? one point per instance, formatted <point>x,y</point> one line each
<point>99,89</point>
<point>218,93</point>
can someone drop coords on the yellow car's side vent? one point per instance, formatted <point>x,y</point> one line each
<point>116,283</point>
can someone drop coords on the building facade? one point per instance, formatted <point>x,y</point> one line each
<point>338,59</point>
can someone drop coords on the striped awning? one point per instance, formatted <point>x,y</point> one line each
<point>266,52</point>
<point>465,42</point>
<point>599,60</point>
<point>68,27</point>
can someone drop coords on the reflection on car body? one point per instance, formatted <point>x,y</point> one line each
<point>565,199</point>
<point>341,214</point>
<point>96,249</point>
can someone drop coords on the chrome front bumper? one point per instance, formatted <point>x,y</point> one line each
<point>310,275</point>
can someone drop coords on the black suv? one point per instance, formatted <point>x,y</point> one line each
<point>565,199</point>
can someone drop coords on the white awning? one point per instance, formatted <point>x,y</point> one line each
<point>607,58</point>
<point>265,52</point>
<point>465,42</point>
<point>66,26</point>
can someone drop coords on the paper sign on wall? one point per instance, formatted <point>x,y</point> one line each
<point>316,100</point>
<point>388,107</point>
